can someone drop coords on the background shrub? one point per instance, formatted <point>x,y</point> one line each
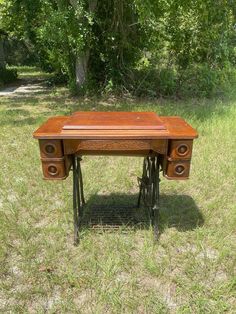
<point>195,81</point>
<point>203,81</point>
<point>7,75</point>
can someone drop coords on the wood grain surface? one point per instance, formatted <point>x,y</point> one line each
<point>176,128</point>
<point>115,133</point>
<point>114,121</point>
<point>115,146</point>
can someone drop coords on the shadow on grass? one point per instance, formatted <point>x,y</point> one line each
<point>116,210</point>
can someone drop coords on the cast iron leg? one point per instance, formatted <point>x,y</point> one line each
<point>156,195</point>
<point>75,191</point>
<point>80,181</point>
<point>141,182</point>
<point>149,190</point>
<point>78,196</point>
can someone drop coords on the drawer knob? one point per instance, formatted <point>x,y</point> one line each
<point>179,169</point>
<point>182,149</point>
<point>52,170</point>
<point>50,149</point>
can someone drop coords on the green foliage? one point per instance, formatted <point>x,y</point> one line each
<point>183,32</point>
<point>187,44</point>
<point>7,75</point>
<point>19,52</point>
<point>197,80</point>
<point>117,42</point>
<point>167,82</point>
<point>60,37</point>
<point>57,79</point>
<point>203,81</point>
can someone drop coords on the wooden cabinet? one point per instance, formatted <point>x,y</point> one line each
<point>55,164</point>
<point>116,133</point>
<point>176,164</point>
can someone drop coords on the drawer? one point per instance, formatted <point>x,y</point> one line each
<point>114,147</point>
<point>180,149</point>
<point>177,169</point>
<point>56,168</point>
<point>51,148</point>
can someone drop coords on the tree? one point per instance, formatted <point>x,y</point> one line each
<point>2,36</point>
<point>82,58</point>
<point>101,39</point>
<point>102,42</point>
<point>2,54</point>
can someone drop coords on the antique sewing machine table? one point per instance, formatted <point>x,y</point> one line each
<point>164,142</point>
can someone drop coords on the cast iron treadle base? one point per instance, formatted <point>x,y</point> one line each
<point>111,217</point>
<point>149,192</point>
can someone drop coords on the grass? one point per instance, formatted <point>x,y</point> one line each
<point>30,73</point>
<point>190,270</point>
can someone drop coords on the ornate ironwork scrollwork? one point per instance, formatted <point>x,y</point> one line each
<point>149,189</point>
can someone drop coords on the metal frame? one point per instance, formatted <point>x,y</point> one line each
<point>148,192</point>
<point>78,196</point>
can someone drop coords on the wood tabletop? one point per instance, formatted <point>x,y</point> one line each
<point>117,125</point>
<point>114,121</point>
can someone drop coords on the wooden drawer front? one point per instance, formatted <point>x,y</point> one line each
<point>180,149</point>
<point>51,148</point>
<point>56,168</point>
<point>99,146</point>
<point>177,169</point>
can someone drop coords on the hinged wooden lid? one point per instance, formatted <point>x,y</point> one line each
<point>114,121</point>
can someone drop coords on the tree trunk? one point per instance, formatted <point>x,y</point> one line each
<point>81,64</point>
<point>81,67</point>
<point>2,55</point>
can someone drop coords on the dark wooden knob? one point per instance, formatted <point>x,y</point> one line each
<point>52,170</point>
<point>182,149</point>
<point>179,169</point>
<point>50,149</point>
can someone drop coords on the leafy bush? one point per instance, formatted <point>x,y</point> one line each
<point>57,79</point>
<point>190,40</point>
<point>152,82</point>
<point>194,81</point>
<point>167,82</point>
<point>203,81</point>
<point>7,75</point>
<point>19,52</point>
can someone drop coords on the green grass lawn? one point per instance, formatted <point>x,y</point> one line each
<point>190,270</point>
